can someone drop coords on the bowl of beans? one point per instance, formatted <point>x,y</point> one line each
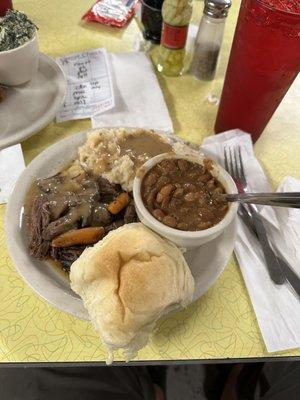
<point>181,198</point>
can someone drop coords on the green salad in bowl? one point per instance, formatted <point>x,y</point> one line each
<point>19,52</point>
<point>15,30</point>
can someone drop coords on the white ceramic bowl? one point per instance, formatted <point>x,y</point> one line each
<point>186,239</point>
<point>19,65</point>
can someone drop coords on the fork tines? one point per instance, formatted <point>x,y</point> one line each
<point>234,164</point>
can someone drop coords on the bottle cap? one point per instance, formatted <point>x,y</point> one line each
<point>217,8</point>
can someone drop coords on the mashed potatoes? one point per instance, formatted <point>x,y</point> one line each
<point>117,153</point>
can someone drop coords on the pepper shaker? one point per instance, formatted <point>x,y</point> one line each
<point>209,39</point>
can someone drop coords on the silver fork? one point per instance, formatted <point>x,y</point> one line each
<point>234,165</point>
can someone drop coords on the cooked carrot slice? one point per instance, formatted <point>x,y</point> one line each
<point>119,203</point>
<point>79,236</point>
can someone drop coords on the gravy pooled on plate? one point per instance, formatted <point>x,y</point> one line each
<point>71,210</point>
<point>183,195</point>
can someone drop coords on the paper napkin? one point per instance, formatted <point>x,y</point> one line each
<point>276,307</point>
<point>11,166</point>
<point>283,226</point>
<point>139,101</point>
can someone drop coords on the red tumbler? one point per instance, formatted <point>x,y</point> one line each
<point>4,6</point>
<point>263,63</point>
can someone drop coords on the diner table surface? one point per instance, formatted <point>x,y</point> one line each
<point>221,325</point>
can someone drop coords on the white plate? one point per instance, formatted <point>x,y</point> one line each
<point>30,107</point>
<point>206,262</point>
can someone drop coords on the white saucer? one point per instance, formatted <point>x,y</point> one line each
<point>206,262</point>
<point>30,107</point>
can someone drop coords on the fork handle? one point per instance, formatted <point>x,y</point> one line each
<point>291,200</point>
<point>272,262</point>
<point>292,278</point>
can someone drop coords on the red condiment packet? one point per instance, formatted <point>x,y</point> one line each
<point>111,12</point>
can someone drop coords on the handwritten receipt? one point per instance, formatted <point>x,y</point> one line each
<point>90,89</point>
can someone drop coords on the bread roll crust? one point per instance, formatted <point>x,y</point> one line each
<point>127,281</point>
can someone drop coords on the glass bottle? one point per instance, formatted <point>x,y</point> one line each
<point>209,39</point>
<point>176,17</point>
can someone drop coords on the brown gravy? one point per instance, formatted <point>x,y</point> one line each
<point>55,186</point>
<point>72,200</point>
<point>143,146</point>
<point>31,194</point>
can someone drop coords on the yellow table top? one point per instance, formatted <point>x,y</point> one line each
<point>222,323</point>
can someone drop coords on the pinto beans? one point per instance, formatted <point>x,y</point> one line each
<point>183,195</point>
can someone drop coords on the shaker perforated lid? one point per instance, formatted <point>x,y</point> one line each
<point>217,8</point>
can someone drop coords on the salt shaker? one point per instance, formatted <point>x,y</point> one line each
<point>209,39</point>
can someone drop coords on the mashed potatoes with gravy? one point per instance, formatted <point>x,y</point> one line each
<point>116,154</point>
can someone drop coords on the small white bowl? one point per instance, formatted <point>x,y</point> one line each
<point>19,65</point>
<point>185,239</point>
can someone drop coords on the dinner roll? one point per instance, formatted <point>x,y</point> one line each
<point>127,281</point>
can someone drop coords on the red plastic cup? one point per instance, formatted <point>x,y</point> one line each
<point>4,6</point>
<point>263,63</point>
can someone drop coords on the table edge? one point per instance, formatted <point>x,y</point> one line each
<point>148,362</point>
